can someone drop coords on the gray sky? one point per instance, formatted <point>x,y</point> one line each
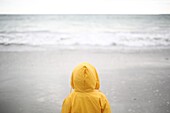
<point>85,6</point>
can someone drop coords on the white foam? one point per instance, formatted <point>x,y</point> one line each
<point>87,38</point>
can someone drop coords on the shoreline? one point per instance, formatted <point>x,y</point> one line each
<point>25,48</point>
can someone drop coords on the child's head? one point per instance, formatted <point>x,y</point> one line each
<point>85,78</point>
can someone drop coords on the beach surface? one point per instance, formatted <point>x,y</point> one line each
<point>134,81</point>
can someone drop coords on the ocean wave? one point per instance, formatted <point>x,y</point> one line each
<point>38,31</point>
<point>91,39</point>
<point>90,30</point>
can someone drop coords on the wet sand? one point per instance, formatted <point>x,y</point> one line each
<point>134,81</point>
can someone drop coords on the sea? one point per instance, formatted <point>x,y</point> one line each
<point>84,31</point>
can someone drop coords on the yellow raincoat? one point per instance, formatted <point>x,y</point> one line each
<point>86,97</point>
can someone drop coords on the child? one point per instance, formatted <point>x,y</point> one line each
<point>86,97</point>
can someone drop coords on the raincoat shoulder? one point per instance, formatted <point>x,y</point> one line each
<point>104,103</point>
<point>66,107</point>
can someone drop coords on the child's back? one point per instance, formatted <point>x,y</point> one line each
<point>86,97</point>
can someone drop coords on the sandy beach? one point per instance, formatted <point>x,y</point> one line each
<point>134,81</point>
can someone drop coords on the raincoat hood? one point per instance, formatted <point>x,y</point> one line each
<point>85,78</point>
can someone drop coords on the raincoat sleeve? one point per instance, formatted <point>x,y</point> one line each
<point>105,106</point>
<point>66,107</point>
